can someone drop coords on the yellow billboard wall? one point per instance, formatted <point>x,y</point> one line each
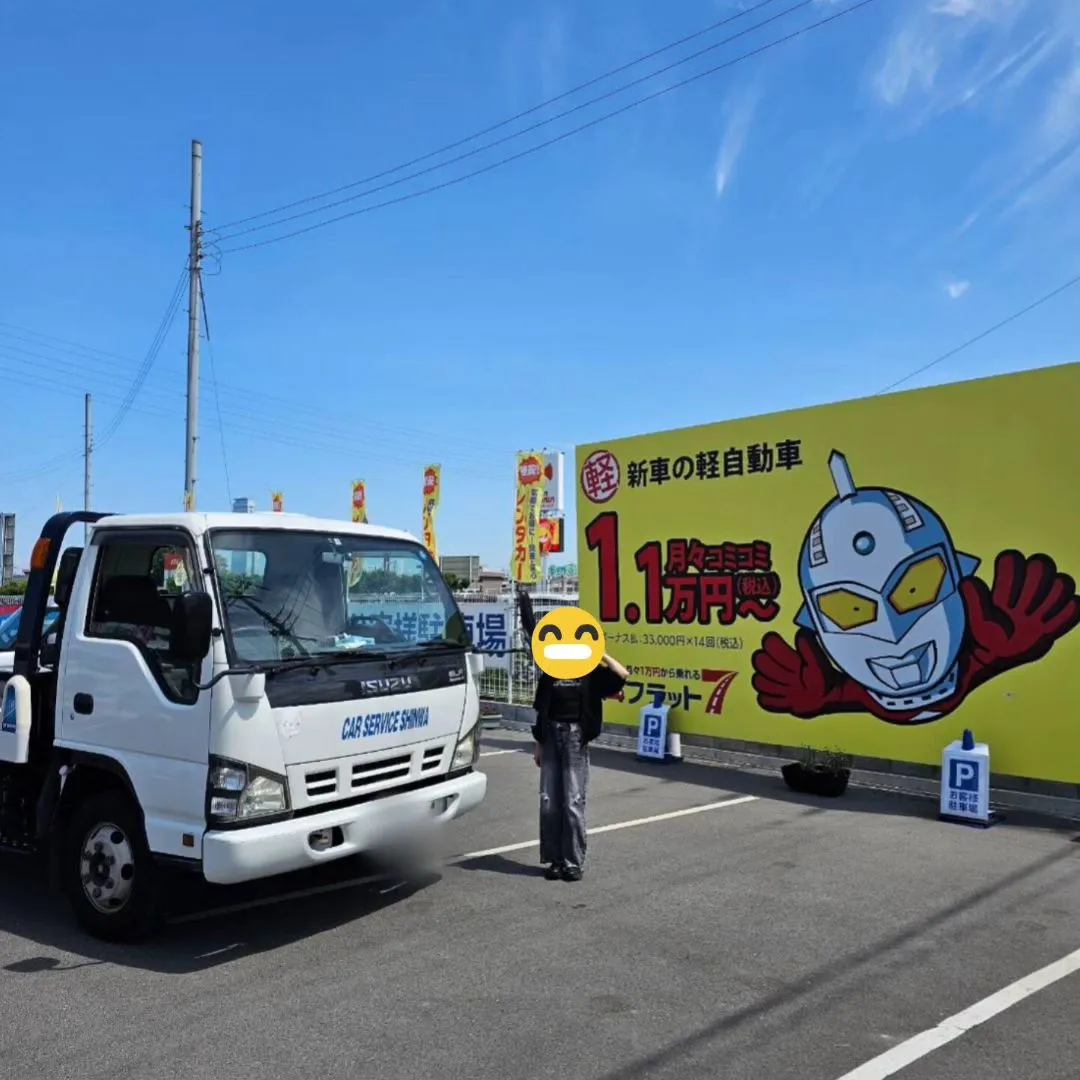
<point>875,575</point>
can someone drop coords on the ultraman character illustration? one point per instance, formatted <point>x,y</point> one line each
<point>894,621</point>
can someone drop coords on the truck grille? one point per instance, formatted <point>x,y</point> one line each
<point>373,772</point>
<point>324,783</point>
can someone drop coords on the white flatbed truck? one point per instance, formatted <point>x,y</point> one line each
<point>239,695</point>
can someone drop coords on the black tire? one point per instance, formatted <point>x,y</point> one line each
<point>118,900</point>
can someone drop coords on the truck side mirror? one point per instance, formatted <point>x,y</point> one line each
<point>65,577</point>
<point>193,618</point>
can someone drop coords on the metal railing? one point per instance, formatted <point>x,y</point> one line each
<point>512,678</point>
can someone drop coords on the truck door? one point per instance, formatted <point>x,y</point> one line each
<point>123,694</point>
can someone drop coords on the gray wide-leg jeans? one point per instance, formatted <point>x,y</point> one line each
<point>564,781</point>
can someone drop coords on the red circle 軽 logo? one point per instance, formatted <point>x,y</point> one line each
<point>358,498</point>
<point>430,482</point>
<point>600,476</point>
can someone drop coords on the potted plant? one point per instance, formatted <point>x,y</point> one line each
<point>819,772</point>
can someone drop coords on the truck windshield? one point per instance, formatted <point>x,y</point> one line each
<point>289,594</point>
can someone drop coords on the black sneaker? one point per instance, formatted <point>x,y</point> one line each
<point>553,872</point>
<point>571,873</point>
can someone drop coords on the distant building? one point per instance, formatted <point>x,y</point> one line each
<point>493,582</point>
<point>465,568</point>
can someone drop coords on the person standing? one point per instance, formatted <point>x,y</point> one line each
<point>569,715</point>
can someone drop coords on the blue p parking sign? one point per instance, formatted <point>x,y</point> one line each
<point>965,781</point>
<point>652,732</point>
<point>963,775</point>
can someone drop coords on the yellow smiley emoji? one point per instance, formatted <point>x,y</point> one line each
<point>568,643</point>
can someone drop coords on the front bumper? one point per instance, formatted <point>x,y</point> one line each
<point>262,851</point>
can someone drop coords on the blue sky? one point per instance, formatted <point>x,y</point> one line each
<point>810,224</point>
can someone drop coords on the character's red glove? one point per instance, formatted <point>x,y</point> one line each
<point>1029,607</point>
<point>797,680</point>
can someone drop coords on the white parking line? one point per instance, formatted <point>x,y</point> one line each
<point>496,753</point>
<point>615,827</point>
<point>926,1042</point>
<point>371,879</point>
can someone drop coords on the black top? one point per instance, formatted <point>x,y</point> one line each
<point>576,701</point>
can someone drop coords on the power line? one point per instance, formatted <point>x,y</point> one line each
<point>322,421</point>
<point>221,229</point>
<point>985,333</point>
<point>331,444</point>
<point>557,138</point>
<point>102,359</point>
<point>45,467</point>
<point>217,397</point>
<point>148,361</point>
<point>502,123</point>
<point>343,433</point>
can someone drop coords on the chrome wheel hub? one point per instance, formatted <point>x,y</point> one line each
<point>107,868</point>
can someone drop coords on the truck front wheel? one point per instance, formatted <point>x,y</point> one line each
<point>109,873</point>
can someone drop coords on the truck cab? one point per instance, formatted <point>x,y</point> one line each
<point>240,695</point>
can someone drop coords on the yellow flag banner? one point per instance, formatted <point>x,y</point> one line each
<point>432,491</point>
<point>525,564</point>
<point>277,501</point>
<point>359,501</point>
<point>359,515</point>
<point>356,570</point>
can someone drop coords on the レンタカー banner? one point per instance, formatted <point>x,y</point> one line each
<point>873,576</point>
<point>526,558</point>
<point>359,501</point>
<point>432,492</point>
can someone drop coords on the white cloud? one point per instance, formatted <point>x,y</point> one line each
<point>1015,61</point>
<point>945,52</point>
<point>911,64</point>
<point>740,116</point>
<point>535,55</point>
<point>956,289</point>
<point>958,9</point>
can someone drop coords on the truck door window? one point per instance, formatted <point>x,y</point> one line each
<point>136,583</point>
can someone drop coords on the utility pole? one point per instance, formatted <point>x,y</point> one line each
<point>88,451</point>
<point>194,303</point>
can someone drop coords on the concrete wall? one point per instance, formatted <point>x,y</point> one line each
<point>1040,796</point>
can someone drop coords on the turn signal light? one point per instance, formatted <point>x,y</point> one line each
<point>40,555</point>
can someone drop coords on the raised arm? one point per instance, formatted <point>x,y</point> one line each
<point>615,667</point>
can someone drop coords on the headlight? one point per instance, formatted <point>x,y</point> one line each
<point>467,750</point>
<point>237,793</point>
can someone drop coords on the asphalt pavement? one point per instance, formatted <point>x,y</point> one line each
<point>725,928</point>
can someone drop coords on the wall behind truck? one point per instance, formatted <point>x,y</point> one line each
<point>689,552</point>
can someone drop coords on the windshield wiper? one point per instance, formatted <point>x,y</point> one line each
<point>275,623</point>
<point>319,661</point>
